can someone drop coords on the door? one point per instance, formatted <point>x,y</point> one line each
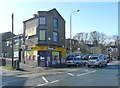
<point>42,61</point>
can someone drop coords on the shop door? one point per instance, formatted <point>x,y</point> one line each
<point>42,58</point>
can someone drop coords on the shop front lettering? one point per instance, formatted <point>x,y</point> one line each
<point>51,48</point>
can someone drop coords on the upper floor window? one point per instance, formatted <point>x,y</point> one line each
<point>55,23</point>
<point>55,37</point>
<point>42,20</point>
<point>72,42</point>
<point>8,43</point>
<point>42,35</point>
<point>16,41</point>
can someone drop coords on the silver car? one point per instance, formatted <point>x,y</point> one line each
<point>96,60</point>
<point>74,61</point>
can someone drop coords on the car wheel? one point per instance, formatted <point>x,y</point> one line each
<point>85,64</point>
<point>68,66</point>
<point>106,64</point>
<point>100,65</point>
<point>77,64</point>
<point>88,65</point>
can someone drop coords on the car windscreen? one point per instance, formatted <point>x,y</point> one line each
<point>69,58</point>
<point>93,58</point>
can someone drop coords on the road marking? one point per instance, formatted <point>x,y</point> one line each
<point>54,81</point>
<point>42,84</point>
<point>86,70</point>
<point>71,74</point>
<point>86,73</point>
<point>48,83</point>
<point>44,79</point>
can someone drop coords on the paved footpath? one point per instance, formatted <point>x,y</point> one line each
<point>27,70</point>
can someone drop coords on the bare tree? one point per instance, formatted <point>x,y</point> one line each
<point>81,37</point>
<point>103,38</point>
<point>94,37</point>
<point>97,38</point>
<point>116,38</point>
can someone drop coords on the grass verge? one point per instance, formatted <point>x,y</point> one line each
<point>9,68</point>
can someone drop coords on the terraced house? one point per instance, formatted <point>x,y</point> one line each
<point>45,41</point>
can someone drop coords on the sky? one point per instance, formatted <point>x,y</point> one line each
<point>93,16</point>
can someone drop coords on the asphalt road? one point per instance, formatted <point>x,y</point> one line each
<point>73,76</point>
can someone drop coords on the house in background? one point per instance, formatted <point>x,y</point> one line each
<point>45,44</point>
<point>7,45</point>
<point>74,45</point>
<point>6,48</point>
<point>18,42</point>
<point>113,52</point>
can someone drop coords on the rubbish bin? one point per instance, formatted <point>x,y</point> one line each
<point>16,64</point>
<point>2,62</point>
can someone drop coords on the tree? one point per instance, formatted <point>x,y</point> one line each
<point>116,38</point>
<point>97,38</point>
<point>103,38</point>
<point>81,37</point>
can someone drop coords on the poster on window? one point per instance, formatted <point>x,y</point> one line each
<point>42,34</point>
<point>55,57</point>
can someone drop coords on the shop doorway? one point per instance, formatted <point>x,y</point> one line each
<point>42,57</point>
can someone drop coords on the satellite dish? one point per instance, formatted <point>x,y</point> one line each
<point>27,37</point>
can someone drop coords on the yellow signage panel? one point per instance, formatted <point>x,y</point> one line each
<point>39,48</point>
<point>31,31</point>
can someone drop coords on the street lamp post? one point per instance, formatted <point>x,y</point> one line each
<point>12,40</point>
<point>71,30</point>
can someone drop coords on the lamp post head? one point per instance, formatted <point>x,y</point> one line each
<point>78,10</point>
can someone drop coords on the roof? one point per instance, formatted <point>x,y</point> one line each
<point>35,15</point>
<point>54,9</point>
<point>7,35</point>
<point>15,37</point>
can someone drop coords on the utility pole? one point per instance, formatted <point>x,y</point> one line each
<point>12,40</point>
<point>71,30</point>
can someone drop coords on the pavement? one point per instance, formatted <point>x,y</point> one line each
<point>27,69</point>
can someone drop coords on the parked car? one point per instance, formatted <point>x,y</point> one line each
<point>96,60</point>
<point>107,59</point>
<point>85,58</point>
<point>77,61</point>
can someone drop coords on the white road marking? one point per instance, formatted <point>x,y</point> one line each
<point>42,84</point>
<point>48,83</point>
<point>54,81</point>
<point>86,73</point>
<point>71,74</point>
<point>86,70</point>
<point>44,79</point>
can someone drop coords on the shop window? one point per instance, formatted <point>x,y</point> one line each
<point>55,37</point>
<point>55,23</point>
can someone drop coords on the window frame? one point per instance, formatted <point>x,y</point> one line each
<point>57,36</point>
<point>39,35</point>
<point>45,20</point>
<point>55,25</point>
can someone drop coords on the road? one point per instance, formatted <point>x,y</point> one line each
<point>73,76</point>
